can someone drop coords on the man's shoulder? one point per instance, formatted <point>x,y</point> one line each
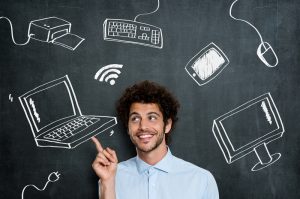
<point>128,165</point>
<point>184,166</point>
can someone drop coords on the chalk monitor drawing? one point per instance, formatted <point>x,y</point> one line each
<point>55,117</point>
<point>264,51</point>
<point>207,64</point>
<point>249,128</point>
<point>132,31</point>
<point>53,177</point>
<point>51,30</point>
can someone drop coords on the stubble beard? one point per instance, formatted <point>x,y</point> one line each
<point>158,142</point>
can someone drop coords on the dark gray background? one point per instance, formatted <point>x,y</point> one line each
<point>188,26</point>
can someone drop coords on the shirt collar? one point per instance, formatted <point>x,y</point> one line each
<point>164,164</point>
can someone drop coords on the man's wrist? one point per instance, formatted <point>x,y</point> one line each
<point>107,188</point>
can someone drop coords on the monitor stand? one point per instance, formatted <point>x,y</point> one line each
<point>264,157</point>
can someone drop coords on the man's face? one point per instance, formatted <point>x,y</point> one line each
<point>146,127</point>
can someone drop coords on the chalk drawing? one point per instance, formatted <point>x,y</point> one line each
<point>55,117</point>
<point>12,33</point>
<point>53,177</point>
<point>132,31</point>
<point>207,64</point>
<point>51,30</point>
<point>108,73</point>
<point>264,51</point>
<point>10,98</point>
<point>249,128</point>
<point>111,133</point>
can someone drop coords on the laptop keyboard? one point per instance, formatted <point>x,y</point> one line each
<point>71,128</point>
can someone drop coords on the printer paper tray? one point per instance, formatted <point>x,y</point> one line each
<point>69,41</point>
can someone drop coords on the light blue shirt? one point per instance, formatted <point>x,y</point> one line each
<point>170,178</point>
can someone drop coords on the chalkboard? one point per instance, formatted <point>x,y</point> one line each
<point>233,65</point>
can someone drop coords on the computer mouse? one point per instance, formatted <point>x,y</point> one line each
<point>267,55</point>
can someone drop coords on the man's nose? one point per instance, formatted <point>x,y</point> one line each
<point>143,124</point>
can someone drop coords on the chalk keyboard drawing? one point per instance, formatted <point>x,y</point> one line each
<point>132,31</point>
<point>55,117</point>
<point>207,64</point>
<point>249,128</point>
<point>108,73</point>
<point>264,51</point>
<point>53,177</point>
<point>51,30</point>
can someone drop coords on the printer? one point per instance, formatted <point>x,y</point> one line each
<point>54,30</point>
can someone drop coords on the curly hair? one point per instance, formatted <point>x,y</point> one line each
<point>148,92</point>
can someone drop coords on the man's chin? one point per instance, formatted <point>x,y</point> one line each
<point>145,149</point>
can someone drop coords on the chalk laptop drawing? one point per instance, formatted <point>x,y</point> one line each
<point>55,117</point>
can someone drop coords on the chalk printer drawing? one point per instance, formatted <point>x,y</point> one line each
<point>53,177</point>
<point>207,64</point>
<point>55,117</point>
<point>51,30</point>
<point>264,51</point>
<point>132,31</point>
<point>108,73</point>
<point>249,128</point>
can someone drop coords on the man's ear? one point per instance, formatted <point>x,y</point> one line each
<point>168,125</point>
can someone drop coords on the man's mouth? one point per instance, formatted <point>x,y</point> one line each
<point>145,137</point>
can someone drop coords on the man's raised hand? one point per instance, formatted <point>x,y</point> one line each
<point>105,163</point>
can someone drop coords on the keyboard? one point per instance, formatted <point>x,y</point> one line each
<point>128,31</point>
<point>71,128</point>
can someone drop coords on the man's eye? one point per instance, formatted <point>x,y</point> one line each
<point>135,119</point>
<point>152,118</point>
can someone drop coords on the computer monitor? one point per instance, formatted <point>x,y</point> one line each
<point>249,128</point>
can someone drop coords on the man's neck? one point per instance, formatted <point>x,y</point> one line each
<point>153,156</point>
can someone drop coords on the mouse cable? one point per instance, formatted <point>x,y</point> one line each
<point>12,33</point>
<point>53,177</point>
<point>148,12</point>
<point>261,40</point>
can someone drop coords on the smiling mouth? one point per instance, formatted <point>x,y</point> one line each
<point>144,136</point>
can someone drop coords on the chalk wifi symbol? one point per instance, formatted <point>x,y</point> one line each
<point>109,73</point>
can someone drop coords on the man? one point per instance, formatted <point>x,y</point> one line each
<point>149,112</point>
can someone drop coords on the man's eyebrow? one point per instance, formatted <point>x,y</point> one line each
<point>155,113</point>
<point>150,113</point>
<point>133,113</point>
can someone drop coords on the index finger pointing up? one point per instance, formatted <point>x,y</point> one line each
<point>97,144</point>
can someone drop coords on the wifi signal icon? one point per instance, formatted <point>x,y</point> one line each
<point>109,73</point>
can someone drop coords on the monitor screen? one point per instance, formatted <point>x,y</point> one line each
<point>50,105</point>
<point>250,124</point>
<point>239,131</point>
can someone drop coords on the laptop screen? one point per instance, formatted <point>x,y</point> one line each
<point>50,105</point>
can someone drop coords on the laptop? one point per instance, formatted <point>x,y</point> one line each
<point>55,117</point>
